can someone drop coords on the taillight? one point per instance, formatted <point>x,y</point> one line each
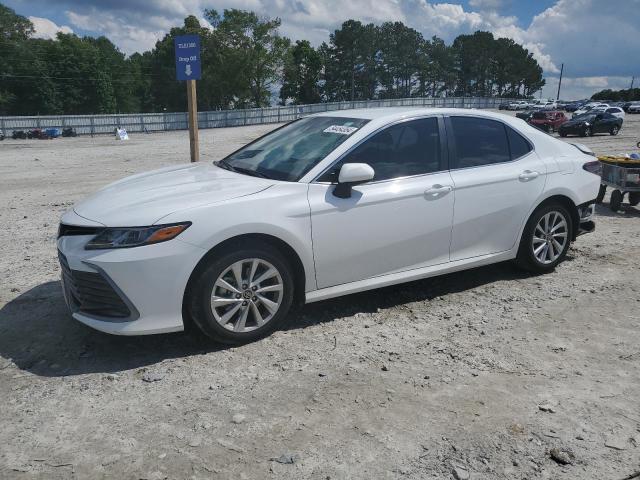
<point>594,167</point>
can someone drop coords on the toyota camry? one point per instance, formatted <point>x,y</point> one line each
<point>327,205</point>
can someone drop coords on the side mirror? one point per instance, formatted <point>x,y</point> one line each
<point>352,174</point>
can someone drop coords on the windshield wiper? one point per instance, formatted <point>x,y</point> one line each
<point>246,171</point>
<point>223,164</point>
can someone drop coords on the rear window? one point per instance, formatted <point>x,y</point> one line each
<point>481,141</point>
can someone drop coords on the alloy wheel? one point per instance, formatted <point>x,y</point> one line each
<point>247,295</point>
<point>550,237</point>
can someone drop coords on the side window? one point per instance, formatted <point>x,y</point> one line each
<point>518,145</point>
<point>408,148</point>
<point>479,142</point>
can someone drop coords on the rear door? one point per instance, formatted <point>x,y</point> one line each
<point>497,178</point>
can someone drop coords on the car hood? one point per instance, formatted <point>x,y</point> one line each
<point>145,198</point>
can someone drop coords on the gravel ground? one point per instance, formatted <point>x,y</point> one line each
<point>490,373</point>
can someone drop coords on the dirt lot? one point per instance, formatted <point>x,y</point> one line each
<point>442,378</point>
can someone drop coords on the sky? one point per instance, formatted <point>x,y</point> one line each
<point>598,41</point>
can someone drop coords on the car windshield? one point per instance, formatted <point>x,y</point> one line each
<point>288,153</point>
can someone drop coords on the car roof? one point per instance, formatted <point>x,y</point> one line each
<point>397,113</point>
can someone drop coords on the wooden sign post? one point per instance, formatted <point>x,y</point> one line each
<point>192,100</point>
<point>187,49</point>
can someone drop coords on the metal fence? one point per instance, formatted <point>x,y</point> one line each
<point>156,122</point>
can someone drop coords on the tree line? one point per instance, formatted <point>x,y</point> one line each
<point>246,63</point>
<point>625,95</point>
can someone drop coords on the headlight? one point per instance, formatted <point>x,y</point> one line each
<point>135,236</point>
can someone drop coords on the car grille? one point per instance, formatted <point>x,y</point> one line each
<point>90,293</point>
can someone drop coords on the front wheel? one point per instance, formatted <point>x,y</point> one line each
<point>586,132</point>
<point>243,294</point>
<point>545,240</point>
<point>614,130</point>
<point>601,193</point>
<point>634,198</point>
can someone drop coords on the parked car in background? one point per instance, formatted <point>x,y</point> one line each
<point>1,135</point>
<point>572,107</point>
<point>518,105</point>
<point>588,107</point>
<point>634,107</point>
<point>626,105</point>
<point>504,106</point>
<point>52,132</point>
<point>526,114</point>
<point>69,132</point>
<point>615,111</point>
<point>331,204</point>
<point>548,120</point>
<point>590,124</point>
<point>19,134</point>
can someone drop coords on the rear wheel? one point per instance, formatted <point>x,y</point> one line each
<point>243,294</point>
<point>614,130</point>
<point>546,238</point>
<point>586,132</point>
<point>616,200</point>
<point>634,198</point>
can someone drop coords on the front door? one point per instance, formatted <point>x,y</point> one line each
<point>399,221</point>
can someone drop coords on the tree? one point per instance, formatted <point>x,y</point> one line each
<point>301,75</point>
<point>351,62</point>
<point>399,59</point>
<point>254,51</point>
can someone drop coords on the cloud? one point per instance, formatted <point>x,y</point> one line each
<point>593,39</point>
<point>574,88</point>
<point>45,28</point>
<point>488,4</point>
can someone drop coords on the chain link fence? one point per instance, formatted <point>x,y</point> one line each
<point>158,122</point>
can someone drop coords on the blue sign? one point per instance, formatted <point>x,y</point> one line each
<point>187,57</point>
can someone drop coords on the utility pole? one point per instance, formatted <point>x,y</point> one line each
<point>632,80</point>
<point>560,82</point>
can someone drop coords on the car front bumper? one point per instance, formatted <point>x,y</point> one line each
<point>127,291</point>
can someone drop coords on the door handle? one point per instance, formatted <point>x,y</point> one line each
<point>436,190</point>
<point>528,175</point>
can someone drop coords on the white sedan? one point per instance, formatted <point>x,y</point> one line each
<point>328,205</point>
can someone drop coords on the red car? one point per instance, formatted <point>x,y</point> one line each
<point>548,120</point>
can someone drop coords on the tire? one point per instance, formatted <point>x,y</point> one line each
<point>272,306</point>
<point>601,194</point>
<point>535,253</point>
<point>634,198</point>
<point>614,130</point>
<point>587,132</point>
<point>563,134</point>
<point>616,200</point>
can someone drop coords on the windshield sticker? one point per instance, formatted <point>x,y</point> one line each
<point>341,129</point>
